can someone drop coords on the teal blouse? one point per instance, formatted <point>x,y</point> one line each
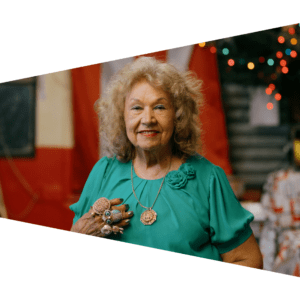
<point>197,211</point>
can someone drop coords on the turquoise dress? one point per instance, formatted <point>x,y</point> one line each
<point>197,211</point>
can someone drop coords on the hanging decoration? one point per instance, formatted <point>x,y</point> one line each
<point>269,68</point>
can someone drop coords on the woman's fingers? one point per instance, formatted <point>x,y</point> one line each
<point>116,201</point>
<point>123,207</point>
<point>123,223</point>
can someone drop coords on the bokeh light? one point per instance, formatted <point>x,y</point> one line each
<point>288,51</point>
<point>270,106</point>
<point>261,59</point>
<point>293,54</point>
<point>281,39</point>
<point>242,61</point>
<point>225,51</point>
<point>272,86</point>
<point>231,62</point>
<point>273,76</point>
<point>202,44</point>
<point>270,62</point>
<point>283,62</point>
<point>294,41</point>
<point>285,70</point>
<point>279,54</point>
<point>213,49</point>
<point>277,96</point>
<point>291,30</point>
<point>268,91</point>
<point>250,65</point>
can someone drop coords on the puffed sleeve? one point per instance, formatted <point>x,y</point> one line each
<point>229,221</point>
<point>91,189</point>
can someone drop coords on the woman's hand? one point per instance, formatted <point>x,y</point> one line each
<point>102,219</point>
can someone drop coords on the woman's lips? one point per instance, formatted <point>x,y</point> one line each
<point>149,133</point>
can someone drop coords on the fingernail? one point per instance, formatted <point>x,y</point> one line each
<point>121,199</point>
<point>126,206</point>
<point>127,221</point>
<point>130,213</point>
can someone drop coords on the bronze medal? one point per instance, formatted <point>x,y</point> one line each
<point>148,217</point>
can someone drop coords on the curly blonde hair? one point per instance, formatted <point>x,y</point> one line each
<point>184,90</point>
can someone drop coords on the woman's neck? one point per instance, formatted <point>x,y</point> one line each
<point>153,165</point>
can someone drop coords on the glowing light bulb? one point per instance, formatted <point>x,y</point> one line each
<point>261,59</point>
<point>294,41</point>
<point>270,106</point>
<point>284,70</point>
<point>272,86</point>
<point>213,49</point>
<point>293,53</point>
<point>202,44</point>
<point>279,54</point>
<point>268,91</point>
<point>288,51</point>
<point>231,62</point>
<point>277,96</point>
<point>283,62</point>
<point>292,30</point>
<point>270,62</point>
<point>281,39</point>
<point>225,51</point>
<point>250,65</point>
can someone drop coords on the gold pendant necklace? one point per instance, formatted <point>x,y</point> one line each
<point>148,217</point>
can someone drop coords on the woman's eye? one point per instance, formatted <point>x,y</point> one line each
<point>136,108</point>
<point>159,107</point>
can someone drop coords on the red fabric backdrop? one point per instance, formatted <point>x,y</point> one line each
<point>86,90</point>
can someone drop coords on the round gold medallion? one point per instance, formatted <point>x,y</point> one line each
<point>148,217</point>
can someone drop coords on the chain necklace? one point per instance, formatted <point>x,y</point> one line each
<point>149,216</point>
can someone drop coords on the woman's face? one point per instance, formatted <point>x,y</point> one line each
<point>149,117</point>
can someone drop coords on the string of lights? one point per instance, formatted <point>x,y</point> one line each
<point>268,68</point>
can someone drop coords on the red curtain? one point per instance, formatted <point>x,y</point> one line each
<point>214,137</point>
<point>86,90</point>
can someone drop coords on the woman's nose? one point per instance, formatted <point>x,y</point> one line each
<point>148,116</point>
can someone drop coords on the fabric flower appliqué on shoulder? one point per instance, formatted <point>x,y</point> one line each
<point>178,179</point>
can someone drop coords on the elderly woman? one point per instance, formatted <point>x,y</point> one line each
<point>162,193</point>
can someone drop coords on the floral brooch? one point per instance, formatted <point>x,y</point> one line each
<point>178,179</point>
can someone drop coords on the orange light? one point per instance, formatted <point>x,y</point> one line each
<point>213,49</point>
<point>285,70</point>
<point>261,59</point>
<point>272,86</point>
<point>270,106</point>
<point>294,41</point>
<point>277,96</point>
<point>202,44</point>
<point>293,53</point>
<point>279,54</point>
<point>283,62</point>
<point>281,39</point>
<point>268,91</point>
<point>231,62</point>
<point>278,69</point>
<point>250,65</point>
<point>291,30</point>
